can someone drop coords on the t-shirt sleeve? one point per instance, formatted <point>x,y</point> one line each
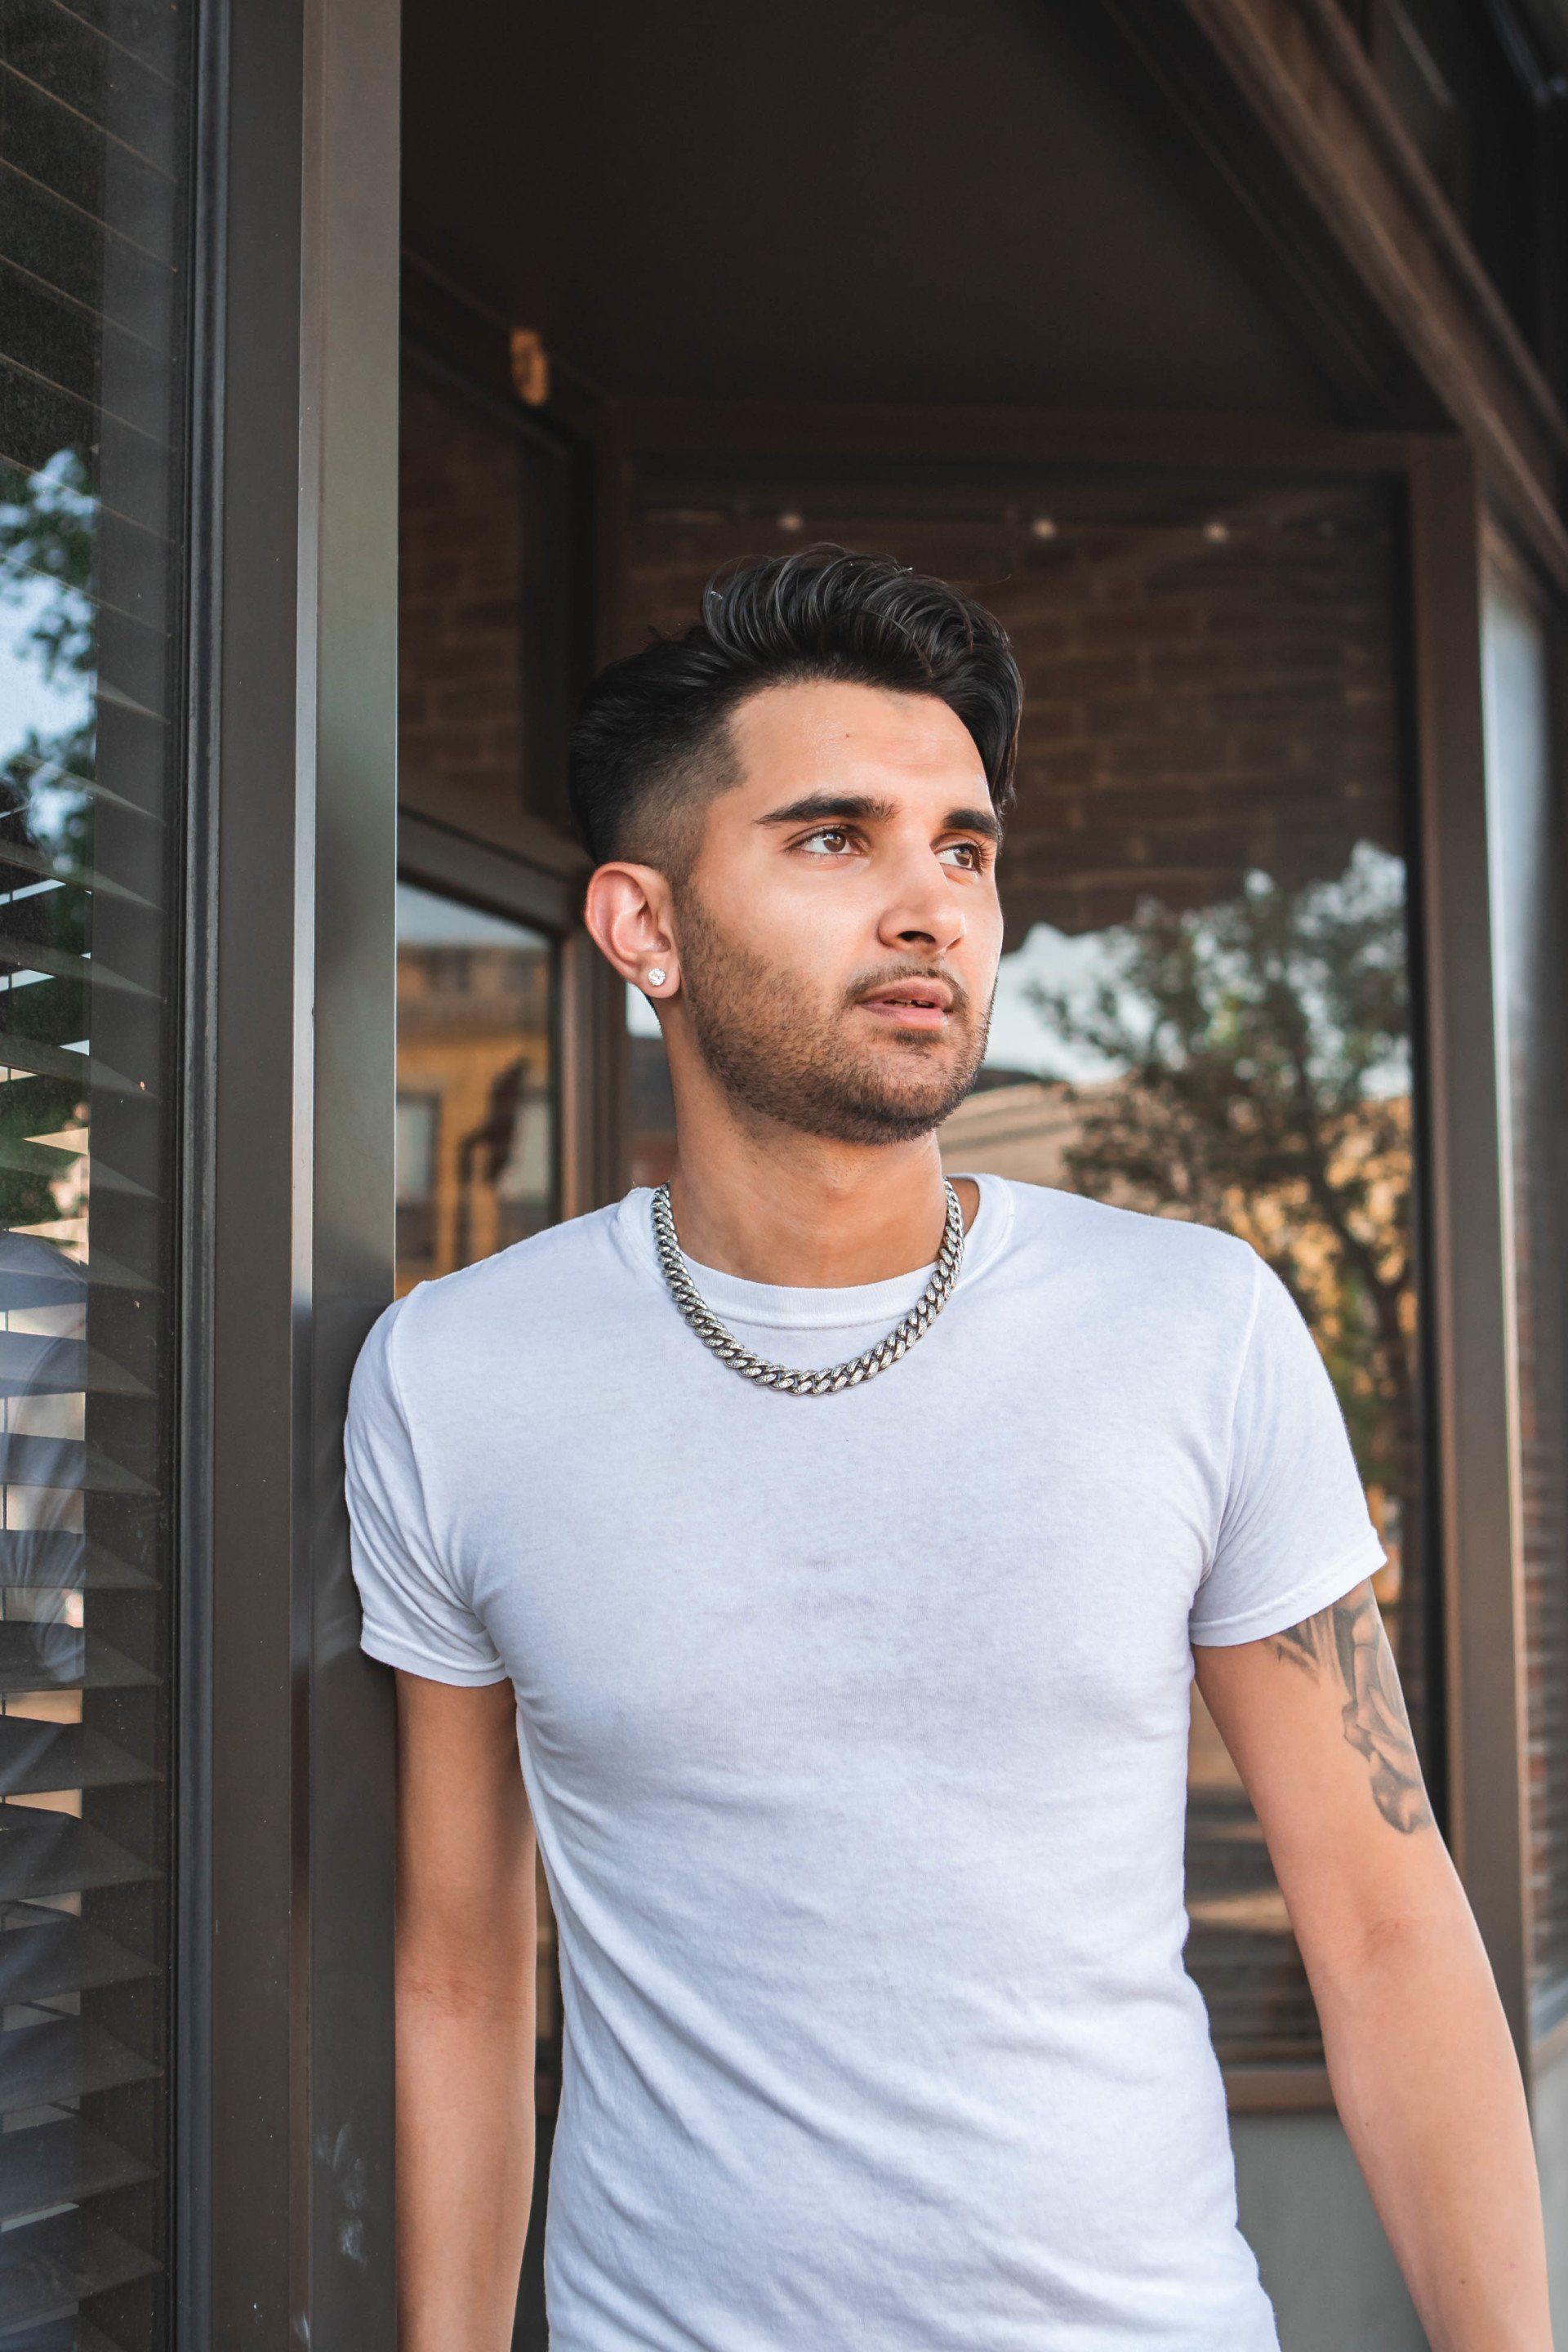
<point>414,1617</point>
<point>1295,1532</point>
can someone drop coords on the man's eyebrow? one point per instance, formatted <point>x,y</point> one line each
<point>827,808</point>
<point>824,806</point>
<point>974,820</point>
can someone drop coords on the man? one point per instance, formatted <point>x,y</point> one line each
<point>833,1549</point>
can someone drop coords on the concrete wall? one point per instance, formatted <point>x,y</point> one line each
<point>1319,2246</point>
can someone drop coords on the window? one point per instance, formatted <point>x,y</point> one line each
<point>487,652</point>
<point>476,1099</point>
<point>650,1106</point>
<point>478,1154</point>
<point>94,136</point>
<point>1203,1008</point>
<point>1527,854</point>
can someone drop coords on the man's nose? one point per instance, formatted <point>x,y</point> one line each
<point>923,910</point>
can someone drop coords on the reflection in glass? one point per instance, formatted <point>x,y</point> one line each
<point>1203,1011</point>
<point>476,1116</point>
<point>94,132</point>
<point>1531,947</point>
<point>1245,1065</point>
<point>477,1154</point>
<point>650,1104</point>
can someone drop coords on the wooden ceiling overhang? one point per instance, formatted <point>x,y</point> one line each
<point>1358,237</point>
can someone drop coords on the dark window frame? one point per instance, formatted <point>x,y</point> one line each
<point>284,2092</point>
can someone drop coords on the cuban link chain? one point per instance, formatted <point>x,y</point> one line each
<point>786,1377</point>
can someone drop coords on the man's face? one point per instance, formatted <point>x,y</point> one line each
<point>839,929</point>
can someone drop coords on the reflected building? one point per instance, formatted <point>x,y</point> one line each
<point>475,1144</point>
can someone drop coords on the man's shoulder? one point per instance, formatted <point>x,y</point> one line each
<point>549,1273</point>
<point>1177,1259</point>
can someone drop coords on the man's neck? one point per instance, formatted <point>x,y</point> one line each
<point>780,1207</point>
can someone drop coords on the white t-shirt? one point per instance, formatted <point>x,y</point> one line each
<point>855,1730</point>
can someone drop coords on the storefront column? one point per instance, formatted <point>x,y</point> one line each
<point>288,1795</point>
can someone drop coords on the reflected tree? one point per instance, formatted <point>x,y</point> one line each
<point>1264,1051</point>
<point>48,557</point>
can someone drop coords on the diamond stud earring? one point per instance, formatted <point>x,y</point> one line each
<point>656,977</point>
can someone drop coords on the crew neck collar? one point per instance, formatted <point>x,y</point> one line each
<point>819,1308</point>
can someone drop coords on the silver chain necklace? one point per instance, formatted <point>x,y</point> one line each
<point>785,1377</point>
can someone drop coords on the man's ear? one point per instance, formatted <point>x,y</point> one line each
<point>628,911</point>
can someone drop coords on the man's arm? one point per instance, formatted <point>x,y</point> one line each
<point>1418,2050</point>
<point>466,1956</point>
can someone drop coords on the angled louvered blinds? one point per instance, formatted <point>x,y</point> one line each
<point>94,127</point>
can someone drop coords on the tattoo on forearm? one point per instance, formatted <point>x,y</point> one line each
<point>1347,1640</point>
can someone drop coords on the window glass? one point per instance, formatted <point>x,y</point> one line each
<point>650,1108</point>
<point>487,635</point>
<point>476,1103</point>
<point>1531,945</point>
<point>94,140</point>
<point>1244,1062</point>
<point>1203,1007</point>
<point>477,1159</point>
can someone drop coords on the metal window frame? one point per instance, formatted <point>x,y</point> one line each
<point>1507,563</point>
<point>284,2095</point>
<point>1470,1276</point>
<point>457,345</point>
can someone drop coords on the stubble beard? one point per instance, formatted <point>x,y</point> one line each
<point>798,1066</point>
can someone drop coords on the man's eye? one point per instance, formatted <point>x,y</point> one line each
<point>827,841</point>
<point>968,854</point>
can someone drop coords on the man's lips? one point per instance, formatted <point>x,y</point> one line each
<point>910,1003</point>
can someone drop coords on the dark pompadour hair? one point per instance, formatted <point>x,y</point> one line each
<point>651,742</point>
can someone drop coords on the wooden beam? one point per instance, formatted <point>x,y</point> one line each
<point>804,429</point>
<point>1301,71</point>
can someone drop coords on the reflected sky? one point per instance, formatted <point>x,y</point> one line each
<point>427,920</point>
<point>31,703</point>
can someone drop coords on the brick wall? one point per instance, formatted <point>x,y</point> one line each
<point>1211,675</point>
<point>460,704</point>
